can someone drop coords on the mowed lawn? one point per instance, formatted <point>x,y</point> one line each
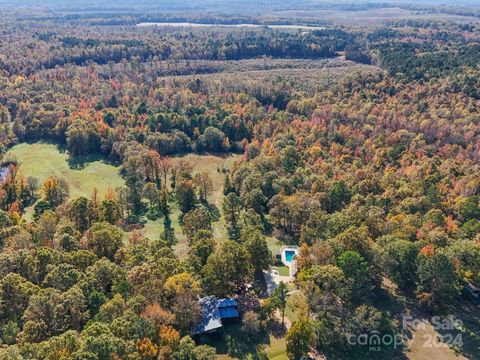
<point>42,160</point>
<point>232,343</point>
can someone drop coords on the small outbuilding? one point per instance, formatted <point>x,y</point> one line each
<point>214,312</point>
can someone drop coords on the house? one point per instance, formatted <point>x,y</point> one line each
<point>214,313</point>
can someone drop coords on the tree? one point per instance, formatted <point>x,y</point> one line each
<point>62,277</point>
<point>254,199</point>
<point>40,207</point>
<point>300,338</point>
<point>51,312</point>
<point>194,221</point>
<point>279,299</point>
<point>46,227</point>
<point>256,245</point>
<point>15,293</point>
<point>32,186</point>
<point>10,332</point>
<point>202,246</point>
<point>290,159</point>
<point>104,239</point>
<point>100,341</point>
<point>227,270</point>
<point>401,262</point>
<point>185,195</point>
<point>165,166</point>
<point>231,211</point>
<point>133,198</point>
<point>251,324</point>
<point>181,170</point>
<point>110,211</point>
<point>188,351</point>
<point>151,192</point>
<point>470,208</point>
<point>204,184</point>
<point>55,190</point>
<point>79,213</point>
<point>438,280</point>
<point>183,292</point>
<point>338,195</point>
<point>211,140</point>
<point>355,269</point>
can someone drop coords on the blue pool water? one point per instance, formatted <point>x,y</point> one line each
<point>289,255</point>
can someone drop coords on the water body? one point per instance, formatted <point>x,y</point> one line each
<point>197,25</point>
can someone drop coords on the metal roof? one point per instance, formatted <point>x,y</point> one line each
<point>227,303</point>
<point>228,312</point>
<point>213,310</point>
<point>210,315</point>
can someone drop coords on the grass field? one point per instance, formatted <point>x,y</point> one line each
<point>282,270</point>
<point>213,165</point>
<point>370,17</point>
<point>42,160</point>
<point>232,343</point>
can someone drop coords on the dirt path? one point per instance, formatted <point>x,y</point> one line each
<point>287,322</point>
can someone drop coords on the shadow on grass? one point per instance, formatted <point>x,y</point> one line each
<point>232,341</point>
<point>79,162</point>
<point>464,339</point>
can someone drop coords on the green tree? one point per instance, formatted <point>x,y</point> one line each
<point>279,299</point>
<point>438,281</point>
<point>104,239</point>
<point>187,350</point>
<point>337,196</point>
<point>256,245</point>
<point>355,269</point>
<point>231,211</point>
<point>194,221</point>
<point>203,245</point>
<point>185,195</point>
<point>401,262</point>
<point>300,338</point>
<point>15,293</point>
<point>227,270</point>
<point>110,211</point>
<point>79,213</point>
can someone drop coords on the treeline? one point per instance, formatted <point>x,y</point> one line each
<point>51,50</point>
<point>425,62</point>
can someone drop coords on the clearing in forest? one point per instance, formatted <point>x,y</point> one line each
<point>42,160</point>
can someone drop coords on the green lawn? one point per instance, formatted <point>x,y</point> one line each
<point>42,160</point>
<point>282,270</point>
<point>274,245</point>
<point>233,344</point>
<point>292,312</point>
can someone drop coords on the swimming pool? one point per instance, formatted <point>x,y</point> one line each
<point>289,255</point>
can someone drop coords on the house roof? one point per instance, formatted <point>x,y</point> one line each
<point>213,311</point>
<point>228,312</point>
<point>222,303</point>
<point>210,315</point>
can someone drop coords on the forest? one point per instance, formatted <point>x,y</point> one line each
<point>144,168</point>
